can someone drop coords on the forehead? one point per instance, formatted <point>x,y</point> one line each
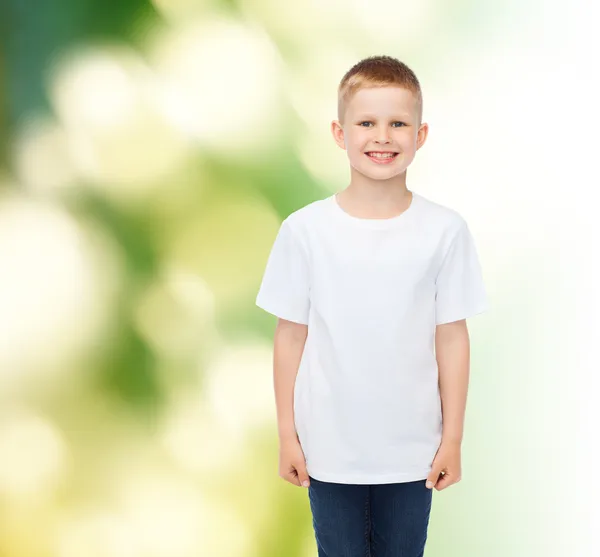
<point>383,100</point>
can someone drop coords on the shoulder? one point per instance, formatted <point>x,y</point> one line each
<point>303,218</point>
<point>449,220</point>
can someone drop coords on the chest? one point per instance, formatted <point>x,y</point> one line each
<point>373,268</point>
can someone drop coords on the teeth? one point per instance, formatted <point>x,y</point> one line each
<point>382,155</point>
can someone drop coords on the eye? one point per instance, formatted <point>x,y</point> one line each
<point>367,122</point>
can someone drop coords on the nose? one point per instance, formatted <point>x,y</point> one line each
<point>383,135</point>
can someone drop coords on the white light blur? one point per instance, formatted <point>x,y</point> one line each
<point>323,159</point>
<point>392,23</point>
<point>312,86</point>
<point>154,514</point>
<point>221,85</point>
<point>312,90</point>
<point>197,439</point>
<point>175,314</point>
<point>55,290</point>
<point>239,387</point>
<point>170,517</point>
<point>319,21</point>
<point>475,162</point>
<point>42,157</point>
<point>96,88</point>
<point>106,98</point>
<point>95,533</point>
<point>34,454</point>
<point>230,266</point>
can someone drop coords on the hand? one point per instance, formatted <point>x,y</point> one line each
<point>292,464</point>
<point>446,467</point>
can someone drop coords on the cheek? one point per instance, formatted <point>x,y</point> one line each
<point>351,141</point>
<point>354,146</point>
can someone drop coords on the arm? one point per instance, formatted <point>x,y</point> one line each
<point>452,353</point>
<point>288,347</point>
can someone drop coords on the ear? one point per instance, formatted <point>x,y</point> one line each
<point>422,135</point>
<point>338,134</point>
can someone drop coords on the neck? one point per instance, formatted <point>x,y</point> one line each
<point>377,192</point>
<point>375,198</point>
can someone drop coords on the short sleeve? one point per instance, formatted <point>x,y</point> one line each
<point>460,291</point>
<point>284,291</point>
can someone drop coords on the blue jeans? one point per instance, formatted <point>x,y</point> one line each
<point>385,520</point>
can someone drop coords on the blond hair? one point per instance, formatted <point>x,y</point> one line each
<point>378,71</point>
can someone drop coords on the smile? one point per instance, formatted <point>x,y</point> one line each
<point>381,158</point>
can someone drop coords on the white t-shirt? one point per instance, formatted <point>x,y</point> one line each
<point>367,407</point>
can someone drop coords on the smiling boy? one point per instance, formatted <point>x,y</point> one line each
<point>372,287</point>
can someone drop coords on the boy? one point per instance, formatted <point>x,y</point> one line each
<point>366,284</point>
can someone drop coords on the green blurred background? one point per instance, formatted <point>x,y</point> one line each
<point>149,152</point>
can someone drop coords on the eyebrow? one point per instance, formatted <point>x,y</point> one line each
<point>374,117</point>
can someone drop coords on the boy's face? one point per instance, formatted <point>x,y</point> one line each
<point>380,119</point>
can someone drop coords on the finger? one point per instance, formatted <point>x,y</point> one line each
<point>303,478</point>
<point>292,477</point>
<point>432,478</point>
<point>445,481</point>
